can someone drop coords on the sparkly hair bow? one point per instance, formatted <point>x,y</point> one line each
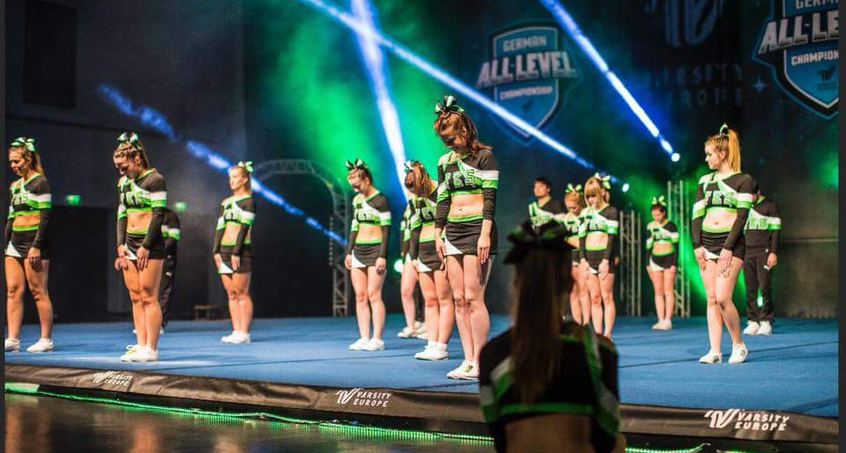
<point>551,236</point>
<point>409,165</point>
<point>659,201</point>
<point>132,138</point>
<point>604,180</point>
<point>724,130</point>
<point>571,188</point>
<point>248,166</point>
<point>449,105</point>
<point>24,142</point>
<point>358,163</point>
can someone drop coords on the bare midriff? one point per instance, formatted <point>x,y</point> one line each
<point>138,222</point>
<point>230,233</point>
<point>662,248</point>
<point>369,232</point>
<point>466,204</point>
<point>27,220</point>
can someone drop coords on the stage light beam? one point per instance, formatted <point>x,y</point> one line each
<point>560,13</point>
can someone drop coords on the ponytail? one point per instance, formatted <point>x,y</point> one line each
<point>727,141</point>
<point>541,285</point>
<point>26,146</point>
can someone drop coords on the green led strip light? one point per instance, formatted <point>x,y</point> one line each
<point>322,426</point>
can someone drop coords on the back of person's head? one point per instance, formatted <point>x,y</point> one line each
<point>542,283</point>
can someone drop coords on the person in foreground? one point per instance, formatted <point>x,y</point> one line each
<point>548,384</point>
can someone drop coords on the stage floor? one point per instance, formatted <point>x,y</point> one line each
<point>793,370</point>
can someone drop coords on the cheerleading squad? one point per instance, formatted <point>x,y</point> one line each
<point>449,238</point>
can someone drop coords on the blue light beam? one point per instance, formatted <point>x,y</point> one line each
<point>442,76</point>
<point>374,62</point>
<point>566,21</point>
<point>155,120</point>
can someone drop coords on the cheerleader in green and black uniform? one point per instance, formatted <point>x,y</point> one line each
<point>662,249</point>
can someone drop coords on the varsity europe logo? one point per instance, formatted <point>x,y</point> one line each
<point>530,71</point>
<point>800,43</point>
<point>739,419</point>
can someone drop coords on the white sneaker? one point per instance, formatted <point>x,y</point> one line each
<point>711,357</point>
<point>407,333</point>
<point>161,330</point>
<point>145,354</point>
<point>130,353</point>
<point>766,328</point>
<point>134,332</point>
<point>129,347</point>
<point>42,345</point>
<point>422,336</point>
<point>461,371</point>
<point>12,344</point>
<point>657,325</point>
<point>229,338</point>
<point>738,353</point>
<point>418,325</point>
<point>752,328</point>
<point>359,344</point>
<point>422,329</point>
<point>666,325</point>
<point>433,353</point>
<point>374,344</point>
<point>471,373</point>
<point>240,338</point>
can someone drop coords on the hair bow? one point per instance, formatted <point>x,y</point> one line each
<point>604,180</point>
<point>724,130</point>
<point>358,163</point>
<point>659,201</point>
<point>570,188</point>
<point>449,105</point>
<point>551,236</point>
<point>132,138</point>
<point>24,142</point>
<point>409,165</point>
<point>248,165</point>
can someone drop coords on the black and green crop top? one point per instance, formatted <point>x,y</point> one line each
<point>370,210</point>
<point>466,174</point>
<point>584,384</point>
<point>552,210</point>
<point>28,197</point>
<point>239,210</point>
<point>573,224</point>
<point>606,220</point>
<point>662,233</point>
<point>425,211</point>
<point>732,193</point>
<point>764,225</point>
<point>146,193</point>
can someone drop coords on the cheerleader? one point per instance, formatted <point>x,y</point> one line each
<point>662,253</point>
<point>596,247</point>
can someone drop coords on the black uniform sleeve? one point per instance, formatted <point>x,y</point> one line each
<point>248,205</point>
<point>218,232</point>
<point>744,203</point>
<point>414,243</point>
<point>613,216</point>
<point>775,234</point>
<point>154,230</point>
<point>121,222</point>
<point>671,227</point>
<point>172,222</point>
<point>42,188</point>
<point>381,205</point>
<point>489,174</point>
<point>353,232</point>
<point>443,200</point>
<point>698,217</point>
<point>582,239</point>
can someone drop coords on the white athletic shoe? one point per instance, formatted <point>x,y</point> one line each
<point>657,325</point>
<point>129,347</point>
<point>711,357</point>
<point>418,325</point>
<point>374,344</point>
<point>738,353</point>
<point>461,371</point>
<point>666,325</point>
<point>134,332</point>
<point>229,338</point>
<point>433,353</point>
<point>752,328</point>
<point>12,344</point>
<point>145,354</point>
<point>42,345</point>
<point>407,333</point>
<point>472,373</point>
<point>240,338</point>
<point>422,336</point>
<point>131,352</point>
<point>359,344</point>
<point>766,328</point>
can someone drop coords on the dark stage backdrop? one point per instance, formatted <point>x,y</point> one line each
<point>264,80</point>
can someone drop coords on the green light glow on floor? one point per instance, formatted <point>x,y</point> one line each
<point>329,428</point>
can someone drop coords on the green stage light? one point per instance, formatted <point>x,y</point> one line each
<point>398,265</point>
<point>180,206</point>
<point>73,200</point>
